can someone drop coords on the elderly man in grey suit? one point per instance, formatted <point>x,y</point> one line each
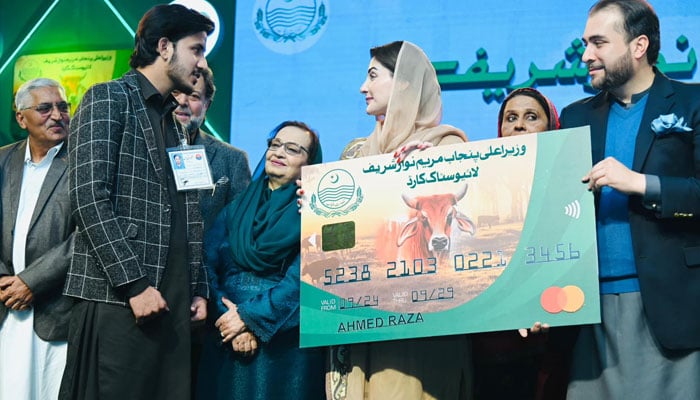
<point>229,165</point>
<point>136,268</point>
<point>37,239</point>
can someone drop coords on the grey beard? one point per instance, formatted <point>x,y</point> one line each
<point>193,126</point>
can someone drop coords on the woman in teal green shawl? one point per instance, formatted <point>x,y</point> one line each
<point>252,256</point>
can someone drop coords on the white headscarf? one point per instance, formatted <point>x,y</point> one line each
<point>415,107</point>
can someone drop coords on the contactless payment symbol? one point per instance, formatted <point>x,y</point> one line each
<point>573,209</point>
<point>555,299</point>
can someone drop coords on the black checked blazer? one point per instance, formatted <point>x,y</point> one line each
<point>118,193</point>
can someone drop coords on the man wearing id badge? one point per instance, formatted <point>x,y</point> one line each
<point>190,167</point>
<point>228,164</point>
<point>136,271</point>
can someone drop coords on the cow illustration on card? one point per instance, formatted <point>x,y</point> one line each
<point>428,231</point>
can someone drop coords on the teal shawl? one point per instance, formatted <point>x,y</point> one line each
<point>264,225</point>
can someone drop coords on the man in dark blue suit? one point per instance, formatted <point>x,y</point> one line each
<point>645,134</point>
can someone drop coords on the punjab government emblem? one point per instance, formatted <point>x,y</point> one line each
<point>337,194</point>
<point>290,26</point>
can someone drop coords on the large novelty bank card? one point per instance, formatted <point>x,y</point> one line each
<point>475,237</point>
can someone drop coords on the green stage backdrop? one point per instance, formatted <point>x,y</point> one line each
<point>67,26</point>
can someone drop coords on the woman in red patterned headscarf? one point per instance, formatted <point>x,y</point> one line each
<point>507,365</point>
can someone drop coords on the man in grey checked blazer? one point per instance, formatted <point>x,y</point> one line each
<point>136,268</point>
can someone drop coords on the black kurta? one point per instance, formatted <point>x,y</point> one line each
<point>115,358</point>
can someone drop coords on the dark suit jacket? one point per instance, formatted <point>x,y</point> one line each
<point>665,236</point>
<point>49,240</point>
<point>118,191</point>
<point>230,172</point>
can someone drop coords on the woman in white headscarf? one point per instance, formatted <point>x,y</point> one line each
<point>403,94</point>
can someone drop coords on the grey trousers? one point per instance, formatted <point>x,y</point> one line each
<point>621,359</point>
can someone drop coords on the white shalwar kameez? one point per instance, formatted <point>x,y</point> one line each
<point>30,368</point>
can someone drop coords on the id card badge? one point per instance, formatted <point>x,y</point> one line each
<point>190,168</point>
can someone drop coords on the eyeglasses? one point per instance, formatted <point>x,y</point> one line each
<point>47,108</point>
<point>291,148</point>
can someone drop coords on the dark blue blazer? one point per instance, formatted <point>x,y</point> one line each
<point>665,235</point>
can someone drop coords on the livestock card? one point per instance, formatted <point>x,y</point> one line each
<point>475,237</point>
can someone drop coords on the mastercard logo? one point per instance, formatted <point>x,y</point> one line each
<point>555,299</point>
